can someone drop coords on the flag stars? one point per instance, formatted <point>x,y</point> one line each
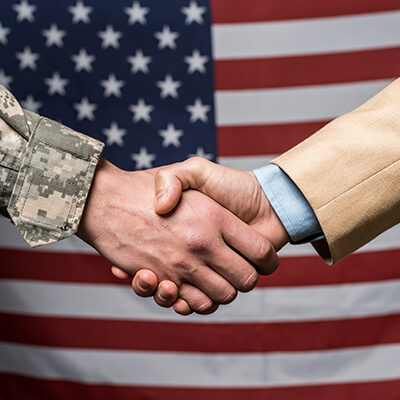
<point>85,109</point>
<point>24,11</point>
<point>169,87</point>
<point>201,153</point>
<point>193,13</point>
<point>83,61</point>
<point>54,36</point>
<point>141,111</point>
<point>110,37</point>
<point>171,136</point>
<point>114,134</point>
<point>166,38</point>
<point>27,59</point>
<point>5,79</point>
<point>4,31</point>
<point>143,159</point>
<point>80,12</point>
<point>198,111</point>
<point>30,104</point>
<point>139,62</point>
<point>136,13</point>
<point>196,62</point>
<point>112,86</point>
<point>56,84</point>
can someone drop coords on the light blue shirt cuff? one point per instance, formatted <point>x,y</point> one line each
<point>290,205</point>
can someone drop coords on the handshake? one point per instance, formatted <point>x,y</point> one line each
<point>190,234</point>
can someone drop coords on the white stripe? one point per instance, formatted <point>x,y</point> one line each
<point>203,370</point>
<point>293,104</point>
<point>261,305</point>
<point>10,237</point>
<point>308,36</point>
<point>246,163</point>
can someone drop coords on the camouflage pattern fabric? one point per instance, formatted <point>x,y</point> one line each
<point>45,173</point>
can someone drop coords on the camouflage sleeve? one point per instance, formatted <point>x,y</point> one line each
<point>45,173</point>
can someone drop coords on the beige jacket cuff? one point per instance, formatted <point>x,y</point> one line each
<point>349,172</point>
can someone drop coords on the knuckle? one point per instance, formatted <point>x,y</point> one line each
<point>197,242</point>
<point>264,249</point>
<point>195,162</point>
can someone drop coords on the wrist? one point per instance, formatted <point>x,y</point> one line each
<point>279,235</point>
<point>103,185</point>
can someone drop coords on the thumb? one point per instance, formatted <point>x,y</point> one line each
<point>168,190</point>
<point>170,181</point>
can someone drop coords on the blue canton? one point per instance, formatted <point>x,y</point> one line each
<point>137,75</point>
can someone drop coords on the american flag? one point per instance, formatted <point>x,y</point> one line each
<point>234,80</point>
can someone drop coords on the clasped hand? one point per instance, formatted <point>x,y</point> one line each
<point>193,249</point>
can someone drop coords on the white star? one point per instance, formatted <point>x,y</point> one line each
<point>171,136</point>
<point>27,59</point>
<point>193,13</point>
<point>5,79</point>
<point>54,36</point>
<point>114,134</point>
<point>141,111</point>
<point>198,111</point>
<point>166,38</point>
<point>143,159</point>
<point>83,61</point>
<point>4,31</point>
<point>56,84</point>
<point>196,62</point>
<point>139,62</point>
<point>24,11</point>
<point>112,86</point>
<point>110,37</point>
<point>200,153</point>
<point>30,104</point>
<point>136,13</point>
<point>85,109</point>
<point>169,87</point>
<point>80,13</point>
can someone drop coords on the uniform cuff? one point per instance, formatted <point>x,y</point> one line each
<point>52,185</point>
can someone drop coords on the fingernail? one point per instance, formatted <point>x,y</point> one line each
<point>143,285</point>
<point>163,294</point>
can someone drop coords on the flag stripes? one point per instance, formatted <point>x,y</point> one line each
<point>235,370</point>
<point>293,271</point>
<point>66,332</point>
<point>239,11</point>
<point>308,36</point>
<point>307,70</point>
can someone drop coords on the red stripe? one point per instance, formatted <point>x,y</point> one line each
<point>359,267</point>
<point>58,267</point>
<point>236,11</point>
<point>200,337</point>
<point>15,387</point>
<point>263,139</point>
<point>293,271</point>
<point>307,70</point>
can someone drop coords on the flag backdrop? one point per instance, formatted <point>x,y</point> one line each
<point>235,80</point>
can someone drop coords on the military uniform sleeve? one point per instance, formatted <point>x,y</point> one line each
<point>45,173</point>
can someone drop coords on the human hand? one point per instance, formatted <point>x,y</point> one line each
<point>236,190</point>
<point>120,223</point>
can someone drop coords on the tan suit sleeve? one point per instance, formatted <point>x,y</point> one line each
<point>349,171</point>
